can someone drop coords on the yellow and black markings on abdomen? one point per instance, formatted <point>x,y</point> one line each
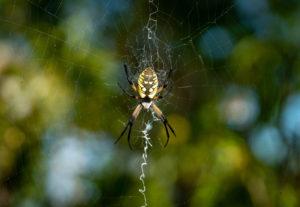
<point>147,83</point>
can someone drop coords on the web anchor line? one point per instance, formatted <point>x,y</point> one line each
<point>144,163</point>
<point>152,21</point>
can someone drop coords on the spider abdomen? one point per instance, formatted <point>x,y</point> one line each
<point>147,83</point>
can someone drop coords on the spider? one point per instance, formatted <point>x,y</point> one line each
<point>147,89</point>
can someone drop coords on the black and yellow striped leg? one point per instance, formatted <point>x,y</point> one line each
<point>164,120</point>
<point>130,123</point>
<point>162,96</point>
<point>128,79</point>
<point>128,94</point>
<point>166,82</point>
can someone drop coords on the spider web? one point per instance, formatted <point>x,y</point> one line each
<point>72,55</point>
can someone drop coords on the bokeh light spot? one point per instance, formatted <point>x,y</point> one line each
<point>216,43</point>
<point>239,107</point>
<point>267,145</point>
<point>290,118</point>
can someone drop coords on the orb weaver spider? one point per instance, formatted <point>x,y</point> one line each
<point>147,89</point>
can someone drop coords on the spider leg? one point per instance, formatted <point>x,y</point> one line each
<point>128,94</point>
<point>162,96</point>
<point>164,120</point>
<point>128,79</point>
<point>130,123</point>
<point>166,82</point>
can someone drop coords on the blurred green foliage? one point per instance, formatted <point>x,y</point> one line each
<point>234,104</point>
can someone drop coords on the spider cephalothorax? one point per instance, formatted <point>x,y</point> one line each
<point>147,89</point>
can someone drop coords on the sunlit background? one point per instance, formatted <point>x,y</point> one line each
<point>234,104</point>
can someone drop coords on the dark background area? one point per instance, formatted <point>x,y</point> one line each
<point>235,102</point>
